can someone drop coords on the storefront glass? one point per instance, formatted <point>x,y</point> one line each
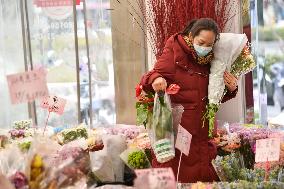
<point>11,59</point>
<point>268,34</point>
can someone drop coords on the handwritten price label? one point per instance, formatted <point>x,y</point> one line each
<point>27,86</point>
<point>183,140</point>
<point>54,104</point>
<point>267,150</point>
<point>157,178</point>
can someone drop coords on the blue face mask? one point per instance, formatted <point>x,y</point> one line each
<point>202,51</point>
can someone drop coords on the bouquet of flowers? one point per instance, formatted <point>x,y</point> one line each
<point>245,184</point>
<point>12,165</point>
<point>68,135</point>
<point>129,131</point>
<point>105,164</point>
<point>160,119</point>
<point>135,158</point>
<point>228,167</point>
<point>144,106</point>
<point>232,54</point>
<point>228,142</point>
<point>23,124</point>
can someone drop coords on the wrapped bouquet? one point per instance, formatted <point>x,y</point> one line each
<point>135,158</point>
<point>68,135</point>
<point>161,133</point>
<point>228,168</point>
<point>23,124</point>
<point>161,119</point>
<point>231,54</point>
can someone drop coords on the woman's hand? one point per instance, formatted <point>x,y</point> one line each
<point>230,81</point>
<point>159,84</point>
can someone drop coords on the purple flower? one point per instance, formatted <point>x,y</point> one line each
<point>19,180</point>
<point>253,147</point>
<point>15,133</point>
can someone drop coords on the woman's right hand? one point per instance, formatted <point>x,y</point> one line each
<point>159,84</point>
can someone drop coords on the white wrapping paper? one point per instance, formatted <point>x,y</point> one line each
<point>226,51</point>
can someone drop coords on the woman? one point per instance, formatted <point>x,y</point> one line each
<point>186,61</point>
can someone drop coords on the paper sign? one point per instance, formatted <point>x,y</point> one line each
<point>54,104</point>
<point>267,150</point>
<point>27,86</point>
<point>157,178</point>
<point>183,140</point>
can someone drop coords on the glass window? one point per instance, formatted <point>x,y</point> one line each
<point>268,34</point>
<point>11,59</point>
<point>112,56</point>
<point>53,47</point>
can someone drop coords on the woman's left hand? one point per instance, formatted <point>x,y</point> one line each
<point>230,81</point>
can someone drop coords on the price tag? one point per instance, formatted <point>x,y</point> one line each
<point>54,104</point>
<point>267,150</point>
<point>156,178</point>
<point>27,86</point>
<point>183,140</point>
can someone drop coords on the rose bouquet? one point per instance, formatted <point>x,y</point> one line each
<point>230,53</point>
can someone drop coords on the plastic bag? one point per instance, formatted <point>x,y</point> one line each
<point>5,183</point>
<point>101,165</point>
<point>11,161</point>
<point>105,163</point>
<point>135,158</point>
<point>69,165</point>
<point>13,165</point>
<point>81,184</point>
<point>161,131</point>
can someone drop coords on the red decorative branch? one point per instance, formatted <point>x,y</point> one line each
<point>163,18</point>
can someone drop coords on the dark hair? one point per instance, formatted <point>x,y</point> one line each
<point>197,25</point>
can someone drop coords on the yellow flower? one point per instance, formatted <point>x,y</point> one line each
<point>37,162</point>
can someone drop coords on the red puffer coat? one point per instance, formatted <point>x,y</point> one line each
<point>178,66</point>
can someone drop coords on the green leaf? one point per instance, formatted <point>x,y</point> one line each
<point>142,113</point>
<point>137,104</point>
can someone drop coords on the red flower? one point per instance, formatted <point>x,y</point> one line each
<point>173,89</point>
<point>138,89</point>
